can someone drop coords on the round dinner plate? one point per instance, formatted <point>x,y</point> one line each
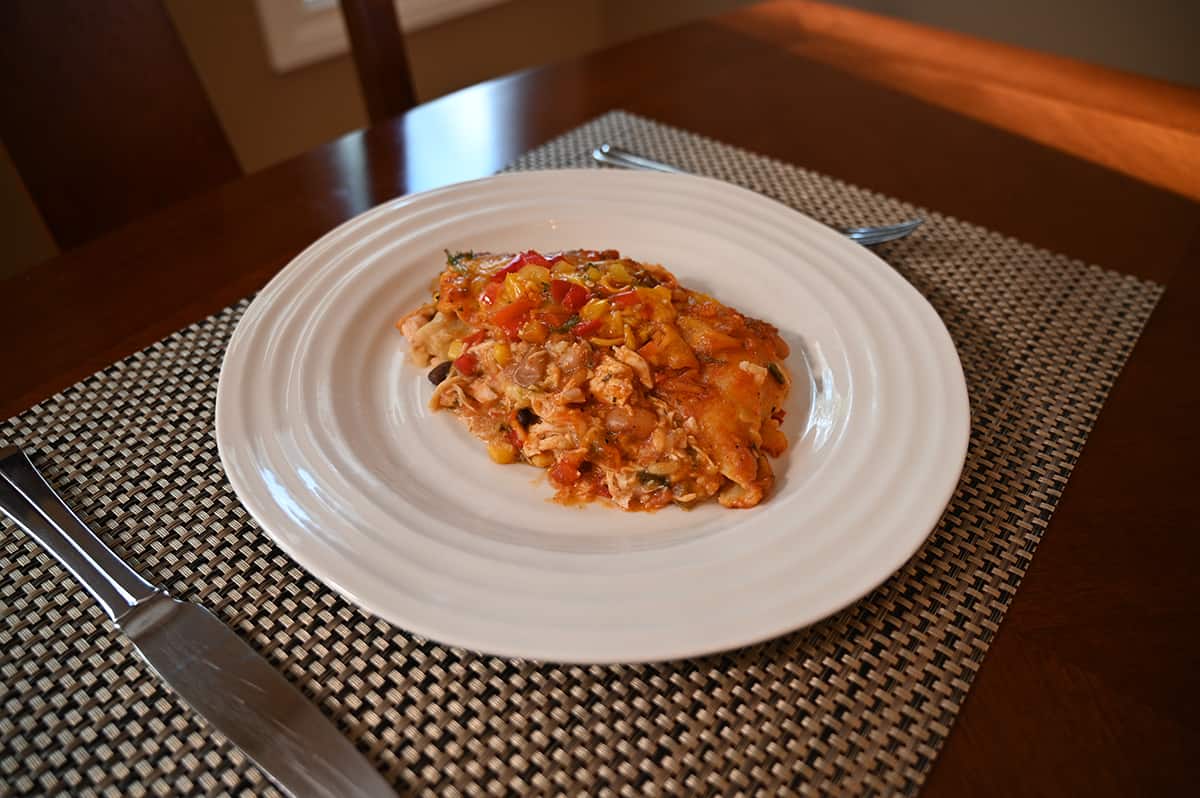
<point>325,432</point>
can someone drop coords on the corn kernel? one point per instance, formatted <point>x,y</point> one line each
<point>542,460</point>
<point>456,349</point>
<point>502,353</point>
<point>593,274</point>
<point>502,452</point>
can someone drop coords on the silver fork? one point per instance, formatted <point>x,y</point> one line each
<point>867,236</point>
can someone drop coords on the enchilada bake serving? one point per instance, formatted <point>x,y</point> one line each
<point>606,372</point>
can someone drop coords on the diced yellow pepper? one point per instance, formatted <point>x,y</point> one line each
<point>594,309</point>
<point>661,307</point>
<point>534,273</point>
<point>502,353</point>
<point>534,332</point>
<point>512,288</point>
<point>593,274</point>
<point>455,349</point>
<point>562,267</point>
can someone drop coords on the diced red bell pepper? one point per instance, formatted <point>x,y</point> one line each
<point>571,296</point>
<point>525,258</point>
<point>586,328</point>
<point>565,471</point>
<point>559,289</point>
<point>554,317</point>
<point>466,364</point>
<point>626,299</point>
<point>576,297</point>
<point>534,257</point>
<point>513,265</point>
<point>511,316</point>
<point>475,337</point>
<point>490,292</point>
<point>545,260</point>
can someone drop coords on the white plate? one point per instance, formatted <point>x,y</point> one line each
<point>325,434</point>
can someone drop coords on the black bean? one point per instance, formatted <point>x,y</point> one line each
<point>653,479</point>
<point>527,417</point>
<point>439,372</point>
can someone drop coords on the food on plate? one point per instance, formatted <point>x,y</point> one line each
<point>620,382</point>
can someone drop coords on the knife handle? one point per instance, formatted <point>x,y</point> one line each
<point>28,499</point>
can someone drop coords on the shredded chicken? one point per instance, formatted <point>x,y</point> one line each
<point>636,362</point>
<point>612,381</point>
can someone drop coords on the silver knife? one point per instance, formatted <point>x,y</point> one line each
<point>204,661</point>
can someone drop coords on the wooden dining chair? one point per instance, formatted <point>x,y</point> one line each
<point>102,113</point>
<point>106,120</point>
<point>380,57</point>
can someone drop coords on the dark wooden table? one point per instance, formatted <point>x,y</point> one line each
<point>1093,684</point>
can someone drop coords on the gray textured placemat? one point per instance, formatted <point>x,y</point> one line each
<point>859,703</point>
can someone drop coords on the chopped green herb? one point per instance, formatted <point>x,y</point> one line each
<point>777,373</point>
<point>455,259</point>
<point>569,323</point>
<point>653,479</point>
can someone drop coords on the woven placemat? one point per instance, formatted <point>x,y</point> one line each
<point>858,704</point>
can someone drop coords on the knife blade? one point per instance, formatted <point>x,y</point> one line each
<point>201,659</point>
